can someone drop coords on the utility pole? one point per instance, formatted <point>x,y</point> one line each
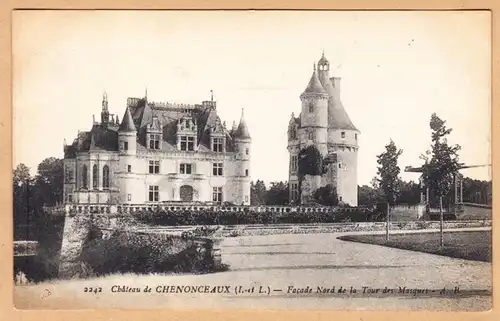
<point>387,222</point>
<point>441,220</point>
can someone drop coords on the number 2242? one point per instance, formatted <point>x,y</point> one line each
<point>92,290</point>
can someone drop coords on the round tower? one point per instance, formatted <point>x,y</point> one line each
<point>242,142</point>
<point>342,139</point>
<point>314,115</point>
<point>127,146</point>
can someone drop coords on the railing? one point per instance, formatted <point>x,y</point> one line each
<point>131,208</point>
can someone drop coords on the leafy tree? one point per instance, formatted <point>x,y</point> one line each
<point>368,195</point>
<point>439,173</point>
<point>310,162</point>
<point>22,186</point>
<point>258,193</point>
<point>277,194</point>
<point>49,182</point>
<point>388,172</point>
<point>476,191</point>
<point>326,195</point>
<point>409,193</point>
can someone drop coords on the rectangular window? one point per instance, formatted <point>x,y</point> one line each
<point>294,191</point>
<point>70,198</point>
<point>154,141</point>
<point>356,136</point>
<point>246,172</point>
<point>186,168</point>
<point>342,134</point>
<point>246,198</point>
<point>293,163</point>
<point>217,145</point>
<point>247,151</point>
<point>125,145</point>
<point>129,197</point>
<point>217,169</point>
<point>310,135</point>
<point>154,195</point>
<point>187,143</point>
<point>129,168</point>
<point>217,194</point>
<point>154,167</point>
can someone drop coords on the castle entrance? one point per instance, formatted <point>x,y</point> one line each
<point>186,193</point>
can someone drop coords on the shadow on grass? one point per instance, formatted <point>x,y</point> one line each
<point>470,245</point>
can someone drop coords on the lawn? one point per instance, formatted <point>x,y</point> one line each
<point>470,245</point>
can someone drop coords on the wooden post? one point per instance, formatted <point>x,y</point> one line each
<point>387,222</point>
<point>441,219</point>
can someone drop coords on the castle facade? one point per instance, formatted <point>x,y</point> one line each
<point>159,152</point>
<point>323,122</point>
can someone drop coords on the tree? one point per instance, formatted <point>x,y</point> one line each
<point>409,193</point>
<point>476,191</point>
<point>326,195</point>
<point>49,182</point>
<point>388,172</point>
<point>439,173</point>
<point>258,193</point>
<point>369,196</point>
<point>22,186</point>
<point>277,194</point>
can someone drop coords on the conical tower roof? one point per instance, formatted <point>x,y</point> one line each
<point>242,130</point>
<point>127,124</point>
<point>314,86</point>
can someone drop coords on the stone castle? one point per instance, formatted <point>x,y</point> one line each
<point>324,123</point>
<point>159,153</point>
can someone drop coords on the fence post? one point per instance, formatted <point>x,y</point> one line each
<point>387,222</point>
<point>441,219</point>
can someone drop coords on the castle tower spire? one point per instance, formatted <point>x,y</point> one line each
<point>105,111</point>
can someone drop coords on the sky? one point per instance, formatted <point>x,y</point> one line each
<point>397,69</point>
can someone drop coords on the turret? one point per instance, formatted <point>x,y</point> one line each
<point>314,115</point>
<point>127,135</point>
<point>242,142</point>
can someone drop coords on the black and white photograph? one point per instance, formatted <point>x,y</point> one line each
<point>284,160</point>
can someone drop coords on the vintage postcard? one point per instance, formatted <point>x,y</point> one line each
<point>283,160</point>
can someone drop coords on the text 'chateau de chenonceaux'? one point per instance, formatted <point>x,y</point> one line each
<point>162,152</point>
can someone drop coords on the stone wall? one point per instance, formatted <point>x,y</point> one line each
<point>77,229</point>
<point>407,212</point>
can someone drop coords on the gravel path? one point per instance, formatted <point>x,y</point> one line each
<point>277,262</point>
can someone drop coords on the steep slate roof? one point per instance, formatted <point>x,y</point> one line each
<point>127,124</point>
<point>314,86</point>
<point>242,130</point>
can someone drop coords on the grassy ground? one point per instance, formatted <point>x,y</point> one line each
<point>474,245</point>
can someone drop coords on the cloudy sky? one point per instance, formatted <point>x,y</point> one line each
<point>397,68</point>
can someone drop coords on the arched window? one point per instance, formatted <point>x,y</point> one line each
<point>105,177</point>
<point>84,177</point>
<point>94,177</point>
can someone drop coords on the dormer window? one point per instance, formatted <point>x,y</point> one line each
<point>217,144</point>
<point>187,143</point>
<point>154,141</point>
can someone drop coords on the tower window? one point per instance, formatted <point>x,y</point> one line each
<point>129,168</point>
<point>217,194</point>
<point>217,169</point>
<point>311,108</point>
<point>217,145</point>
<point>186,169</point>
<point>129,197</point>
<point>342,134</point>
<point>356,136</point>
<point>94,177</point>
<point>154,167</point>
<point>246,172</point>
<point>247,151</point>
<point>70,198</point>
<point>311,135</point>
<point>293,163</point>
<point>105,177</point>
<point>340,165</point>
<point>154,141</point>
<point>294,191</point>
<point>154,195</point>
<point>84,177</point>
<point>125,145</point>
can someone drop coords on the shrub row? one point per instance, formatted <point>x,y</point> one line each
<point>207,217</point>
